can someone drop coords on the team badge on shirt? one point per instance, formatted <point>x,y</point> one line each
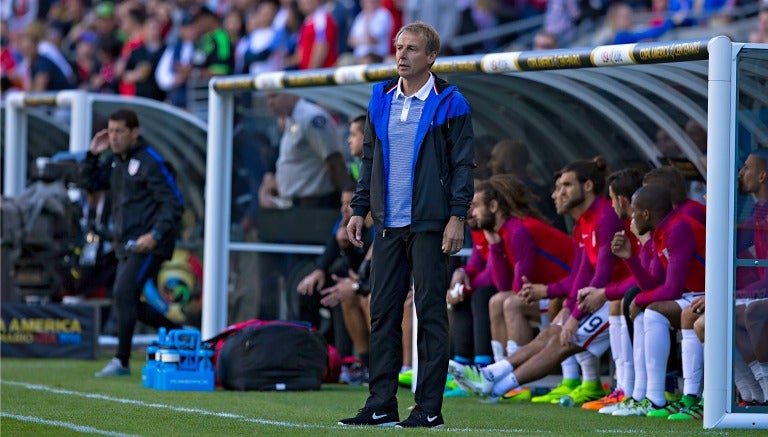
<point>133,167</point>
<point>318,122</point>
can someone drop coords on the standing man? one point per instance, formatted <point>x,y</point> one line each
<point>416,180</point>
<point>146,210</point>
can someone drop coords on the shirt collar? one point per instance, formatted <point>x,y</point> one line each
<point>421,94</point>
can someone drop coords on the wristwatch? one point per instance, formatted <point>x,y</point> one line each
<point>355,286</point>
<point>461,218</point>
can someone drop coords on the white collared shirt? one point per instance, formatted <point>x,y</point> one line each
<point>421,94</point>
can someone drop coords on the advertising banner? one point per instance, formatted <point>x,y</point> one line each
<point>48,331</point>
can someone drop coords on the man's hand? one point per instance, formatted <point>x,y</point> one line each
<point>267,191</point>
<point>620,245</point>
<point>343,289</point>
<point>532,293</point>
<point>145,243</point>
<point>453,236</point>
<point>591,299</point>
<point>568,334</point>
<point>355,230</point>
<point>697,305</point>
<point>312,282</point>
<point>100,142</point>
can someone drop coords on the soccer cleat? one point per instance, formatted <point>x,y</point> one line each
<point>747,404</point>
<point>405,378</point>
<point>457,392</point>
<point>612,398</point>
<point>114,368</point>
<point>609,409</point>
<point>471,378</point>
<point>450,384</point>
<point>371,417</point>
<point>693,412</point>
<point>673,408</point>
<point>421,419</point>
<point>517,395</point>
<point>635,408</point>
<point>556,393</point>
<point>587,391</point>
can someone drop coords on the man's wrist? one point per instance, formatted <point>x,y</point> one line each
<point>156,234</point>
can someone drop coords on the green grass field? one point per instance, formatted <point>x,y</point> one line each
<point>55,397</point>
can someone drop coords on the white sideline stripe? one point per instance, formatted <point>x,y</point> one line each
<point>72,426</point>
<point>97,396</point>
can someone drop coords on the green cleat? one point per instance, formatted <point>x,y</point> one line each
<point>556,393</point>
<point>673,408</point>
<point>405,378</point>
<point>587,391</point>
<point>694,412</point>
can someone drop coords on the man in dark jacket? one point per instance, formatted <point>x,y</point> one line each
<point>416,180</point>
<point>146,210</point>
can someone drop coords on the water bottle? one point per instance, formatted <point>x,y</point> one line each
<point>566,401</point>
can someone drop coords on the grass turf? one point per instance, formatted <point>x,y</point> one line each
<point>55,397</point>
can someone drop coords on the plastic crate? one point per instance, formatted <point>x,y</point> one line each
<point>177,361</point>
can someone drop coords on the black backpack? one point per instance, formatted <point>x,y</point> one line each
<point>274,355</point>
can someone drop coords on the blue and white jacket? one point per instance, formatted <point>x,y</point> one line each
<point>442,164</point>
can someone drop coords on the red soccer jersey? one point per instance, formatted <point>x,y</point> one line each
<point>587,233</point>
<point>533,249</point>
<point>319,27</point>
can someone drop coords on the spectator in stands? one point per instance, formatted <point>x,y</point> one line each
<point>132,25</point>
<point>259,44</point>
<point>760,34</point>
<point>560,19</point>
<point>104,23</point>
<point>142,63</point>
<point>213,54</point>
<point>544,40</point>
<point>85,60</point>
<point>443,15</point>
<point>10,73</point>
<point>317,46</point>
<point>370,33</point>
<point>619,27</point>
<point>108,53</point>
<point>43,73</point>
<point>175,65</point>
<point>287,25</point>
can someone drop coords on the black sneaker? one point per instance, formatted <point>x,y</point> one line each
<point>372,417</point>
<point>421,419</point>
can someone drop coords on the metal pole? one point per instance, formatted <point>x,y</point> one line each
<point>217,204</point>
<point>79,136</point>
<point>15,171</point>
<point>719,211</point>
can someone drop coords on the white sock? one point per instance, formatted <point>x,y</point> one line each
<point>498,351</point>
<point>764,379</point>
<point>512,347</point>
<point>504,385</point>
<point>745,381</point>
<point>627,359</point>
<point>656,355</point>
<point>570,368</point>
<point>614,334</point>
<point>590,366</point>
<point>692,352</point>
<point>638,354</point>
<point>497,371</point>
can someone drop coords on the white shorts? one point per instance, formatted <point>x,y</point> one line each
<point>592,334</point>
<point>543,314</point>
<point>685,301</point>
<point>747,301</point>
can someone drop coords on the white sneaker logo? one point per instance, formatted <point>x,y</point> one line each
<point>377,417</point>
<point>431,419</point>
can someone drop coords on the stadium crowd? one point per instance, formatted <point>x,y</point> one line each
<point>153,48</point>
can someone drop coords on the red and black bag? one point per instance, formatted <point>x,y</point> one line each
<point>269,355</point>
